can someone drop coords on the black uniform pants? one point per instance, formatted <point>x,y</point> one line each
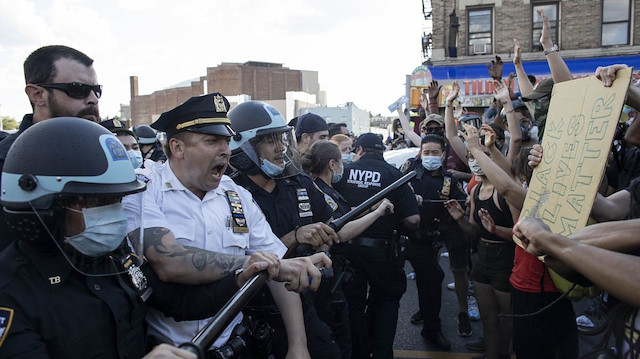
<point>429,276</point>
<point>373,317</point>
<point>332,309</point>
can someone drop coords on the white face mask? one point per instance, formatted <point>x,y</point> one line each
<point>475,167</point>
<point>136,158</point>
<point>105,229</point>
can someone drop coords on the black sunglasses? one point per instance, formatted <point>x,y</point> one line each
<point>75,89</point>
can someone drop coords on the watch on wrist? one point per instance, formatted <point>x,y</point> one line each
<point>553,48</point>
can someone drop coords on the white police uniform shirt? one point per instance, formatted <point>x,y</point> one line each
<point>196,223</point>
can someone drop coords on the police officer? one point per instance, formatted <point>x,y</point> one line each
<point>128,139</point>
<point>435,186</point>
<point>149,144</point>
<point>70,287</point>
<point>265,153</point>
<point>190,196</point>
<point>374,255</point>
<point>310,128</point>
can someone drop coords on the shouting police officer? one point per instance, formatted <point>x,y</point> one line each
<point>374,255</point>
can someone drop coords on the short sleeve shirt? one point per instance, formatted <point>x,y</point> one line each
<point>205,224</point>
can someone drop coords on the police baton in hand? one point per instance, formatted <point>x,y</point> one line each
<point>338,223</point>
<point>208,335</point>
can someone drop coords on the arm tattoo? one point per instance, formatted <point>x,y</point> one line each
<point>200,258</point>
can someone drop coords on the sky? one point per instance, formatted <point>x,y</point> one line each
<point>361,49</point>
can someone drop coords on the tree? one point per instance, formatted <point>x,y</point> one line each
<point>9,123</point>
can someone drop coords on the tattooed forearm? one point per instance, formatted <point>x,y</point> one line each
<point>201,259</point>
<point>175,262</point>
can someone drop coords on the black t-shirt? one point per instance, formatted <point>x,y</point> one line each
<point>369,175</point>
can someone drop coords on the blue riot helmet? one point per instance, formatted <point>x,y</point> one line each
<point>54,162</point>
<point>263,142</point>
<point>146,134</point>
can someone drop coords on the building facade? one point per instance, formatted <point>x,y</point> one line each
<point>468,34</point>
<point>286,89</point>
<point>358,120</point>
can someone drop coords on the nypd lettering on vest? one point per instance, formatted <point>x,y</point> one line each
<point>364,178</point>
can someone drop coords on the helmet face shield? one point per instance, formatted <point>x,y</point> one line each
<point>275,153</point>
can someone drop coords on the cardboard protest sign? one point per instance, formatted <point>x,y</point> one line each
<point>581,123</point>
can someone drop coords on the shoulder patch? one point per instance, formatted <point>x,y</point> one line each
<point>405,166</point>
<point>143,178</point>
<point>6,316</point>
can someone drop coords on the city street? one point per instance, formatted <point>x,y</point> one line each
<point>409,343</point>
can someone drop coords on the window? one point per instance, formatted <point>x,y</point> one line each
<point>480,31</point>
<point>551,10</point>
<point>615,22</point>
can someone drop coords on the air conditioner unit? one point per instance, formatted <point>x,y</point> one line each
<point>479,49</point>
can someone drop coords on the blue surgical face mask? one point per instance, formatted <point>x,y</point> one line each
<point>105,229</point>
<point>336,177</point>
<point>431,163</point>
<point>347,157</point>
<point>270,168</point>
<point>136,158</point>
<point>475,167</point>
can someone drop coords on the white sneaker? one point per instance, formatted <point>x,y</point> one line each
<point>444,255</point>
<point>451,286</point>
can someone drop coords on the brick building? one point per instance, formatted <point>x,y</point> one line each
<point>468,34</point>
<point>259,81</point>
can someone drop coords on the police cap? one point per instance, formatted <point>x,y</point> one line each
<point>310,123</point>
<point>202,114</point>
<point>369,140</point>
<point>117,127</point>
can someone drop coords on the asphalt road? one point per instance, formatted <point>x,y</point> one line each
<point>409,344</point>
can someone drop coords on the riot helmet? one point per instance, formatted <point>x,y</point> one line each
<point>263,142</point>
<point>54,162</point>
<point>146,134</point>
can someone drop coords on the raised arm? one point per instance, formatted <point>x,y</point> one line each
<point>502,94</point>
<point>559,70</point>
<point>513,192</point>
<point>523,81</point>
<point>406,126</point>
<point>450,129</point>
<point>433,91</point>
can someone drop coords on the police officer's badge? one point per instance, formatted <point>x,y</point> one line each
<point>6,316</point>
<point>218,101</point>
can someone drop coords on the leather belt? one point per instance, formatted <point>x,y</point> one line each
<point>369,242</point>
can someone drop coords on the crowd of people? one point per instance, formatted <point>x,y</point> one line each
<point>122,242</point>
